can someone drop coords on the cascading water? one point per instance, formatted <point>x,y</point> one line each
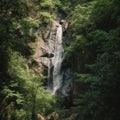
<point>57,61</point>
<point>49,74</point>
<point>58,74</point>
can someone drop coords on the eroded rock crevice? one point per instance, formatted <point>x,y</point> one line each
<point>50,57</point>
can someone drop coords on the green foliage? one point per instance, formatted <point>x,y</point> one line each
<point>107,10</point>
<point>28,23</point>
<point>84,78</point>
<point>22,95</point>
<point>98,76</point>
<point>49,4</point>
<point>94,53</point>
<point>48,11</point>
<point>38,100</point>
<point>13,97</point>
<point>79,18</point>
<point>76,46</point>
<point>46,17</point>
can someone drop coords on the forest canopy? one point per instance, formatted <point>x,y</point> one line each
<point>93,52</point>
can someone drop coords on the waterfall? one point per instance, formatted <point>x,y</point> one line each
<point>57,61</point>
<point>59,72</point>
<point>49,74</point>
<point>56,66</point>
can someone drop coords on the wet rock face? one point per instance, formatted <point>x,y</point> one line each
<point>52,116</point>
<point>64,24</point>
<point>40,117</point>
<point>45,47</point>
<point>50,57</point>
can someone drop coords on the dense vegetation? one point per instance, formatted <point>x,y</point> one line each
<point>21,93</point>
<point>95,41</point>
<point>94,53</point>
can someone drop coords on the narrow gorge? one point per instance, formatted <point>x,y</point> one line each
<point>59,59</point>
<point>59,77</point>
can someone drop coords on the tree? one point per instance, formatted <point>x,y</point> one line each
<point>98,80</point>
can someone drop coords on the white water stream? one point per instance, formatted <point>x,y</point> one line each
<point>57,61</point>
